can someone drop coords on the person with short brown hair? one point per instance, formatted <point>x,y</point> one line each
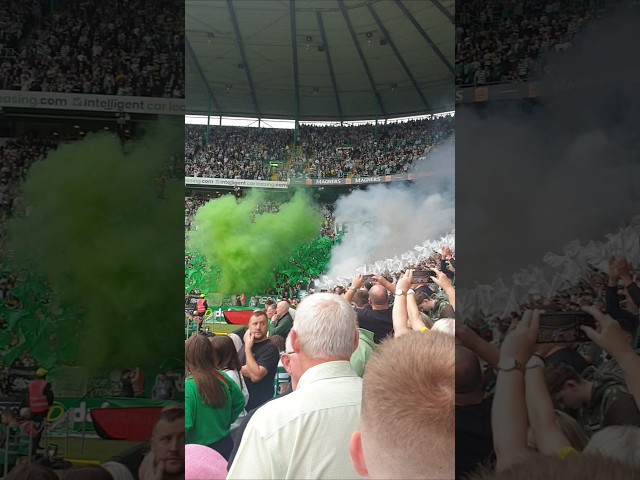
<point>408,401</point>
<point>590,393</point>
<point>259,359</point>
<point>361,298</point>
<point>165,460</point>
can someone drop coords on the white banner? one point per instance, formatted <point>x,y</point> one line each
<point>92,103</point>
<point>233,182</point>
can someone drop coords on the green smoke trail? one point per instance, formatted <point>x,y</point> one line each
<point>108,240</point>
<point>244,251</point>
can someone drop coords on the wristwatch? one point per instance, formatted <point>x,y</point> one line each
<point>411,292</point>
<point>534,362</point>
<point>509,364</point>
<point>399,291</point>
<point>351,287</point>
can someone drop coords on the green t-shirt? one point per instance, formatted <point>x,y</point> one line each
<point>205,425</point>
<point>366,345</point>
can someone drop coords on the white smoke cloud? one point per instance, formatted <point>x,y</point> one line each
<point>532,178</point>
<point>397,217</point>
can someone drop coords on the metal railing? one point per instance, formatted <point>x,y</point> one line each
<point>17,443</point>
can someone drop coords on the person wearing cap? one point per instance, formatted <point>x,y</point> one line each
<point>40,398</point>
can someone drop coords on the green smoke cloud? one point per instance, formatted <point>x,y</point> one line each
<point>244,251</point>
<point>106,235</point>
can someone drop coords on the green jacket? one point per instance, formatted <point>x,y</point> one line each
<point>366,346</point>
<point>611,367</point>
<point>205,425</point>
<point>441,301</point>
<point>283,327</point>
<point>606,389</point>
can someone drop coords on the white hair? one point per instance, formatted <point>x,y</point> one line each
<point>118,471</point>
<point>237,341</point>
<point>326,326</point>
<point>620,442</point>
<point>445,325</point>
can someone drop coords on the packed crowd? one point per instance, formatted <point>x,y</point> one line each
<point>322,152</point>
<point>288,396</point>
<point>16,157</point>
<point>236,152</point>
<point>357,151</point>
<point>84,46</point>
<point>16,19</point>
<point>577,393</point>
<point>507,41</point>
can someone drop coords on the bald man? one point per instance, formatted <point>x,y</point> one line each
<point>376,316</point>
<point>282,321</point>
<point>306,434</point>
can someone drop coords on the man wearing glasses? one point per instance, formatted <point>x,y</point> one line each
<point>306,433</point>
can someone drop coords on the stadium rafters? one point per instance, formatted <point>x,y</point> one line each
<point>328,60</point>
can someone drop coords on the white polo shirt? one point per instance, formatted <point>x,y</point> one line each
<point>304,434</point>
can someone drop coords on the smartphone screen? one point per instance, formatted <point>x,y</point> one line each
<point>561,327</point>
<point>423,276</point>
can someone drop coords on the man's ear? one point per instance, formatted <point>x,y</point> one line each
<point>286,363</point>
<point>295,343</point>
<point>357,457</point>
<point>570,384</point>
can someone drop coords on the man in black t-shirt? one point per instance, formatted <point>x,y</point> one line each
<point>259,361</point>
<point>377,315</point>
<point>378,319</point>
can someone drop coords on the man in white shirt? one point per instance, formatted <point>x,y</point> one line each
<point>306,434</point>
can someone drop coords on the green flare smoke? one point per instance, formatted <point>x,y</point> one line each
<point>109,242</point>
<point>244,251</point>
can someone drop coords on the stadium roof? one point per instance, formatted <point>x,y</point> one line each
<point>335,59</point>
